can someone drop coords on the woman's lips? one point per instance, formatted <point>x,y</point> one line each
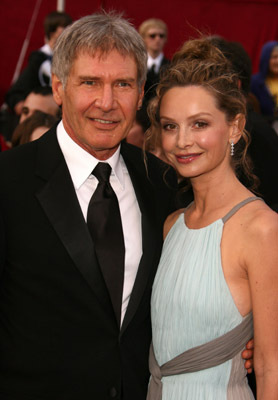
<point>187,158</point>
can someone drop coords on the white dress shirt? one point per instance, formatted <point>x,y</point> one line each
<point>155,61</point>
<point>45,68</point>
<point>81,164</point>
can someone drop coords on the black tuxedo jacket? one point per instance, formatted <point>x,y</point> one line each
<point>263,151</point>
<point>27,80</point>
<point>59,338</point>
<point>153,80</point>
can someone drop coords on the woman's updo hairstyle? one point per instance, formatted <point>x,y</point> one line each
<point>200,63</point>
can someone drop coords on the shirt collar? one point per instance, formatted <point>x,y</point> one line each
<point>157,61</point>
<point>46,49</point>
<point>81,163</point>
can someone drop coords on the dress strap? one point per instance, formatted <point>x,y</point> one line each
<point>238,206</point>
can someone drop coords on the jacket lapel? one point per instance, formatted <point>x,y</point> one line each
<point>144,196</point>
<point>59,201</point>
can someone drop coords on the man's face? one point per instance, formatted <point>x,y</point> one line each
<point>155,39</point>
<point>37,102</point>
<point>99,101</point>
<point>54,36</point>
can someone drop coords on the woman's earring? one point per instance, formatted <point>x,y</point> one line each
<point>232,148</point>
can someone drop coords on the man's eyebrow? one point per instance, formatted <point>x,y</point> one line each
<point>97,78</point>
<point>88,78</point>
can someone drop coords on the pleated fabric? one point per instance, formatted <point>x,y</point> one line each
<point>192,305</point>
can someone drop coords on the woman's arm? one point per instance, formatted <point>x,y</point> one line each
<point>261,258</point>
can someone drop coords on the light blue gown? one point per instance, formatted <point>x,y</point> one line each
<point>192,305</point>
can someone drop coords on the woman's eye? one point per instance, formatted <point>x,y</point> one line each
<point>200,124</point>
<point>168,127</point>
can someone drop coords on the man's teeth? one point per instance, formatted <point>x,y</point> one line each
<point>103,121</point>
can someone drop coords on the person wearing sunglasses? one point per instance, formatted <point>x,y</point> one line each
<point>154,32</point>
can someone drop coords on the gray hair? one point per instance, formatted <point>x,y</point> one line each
<point>98,32</point>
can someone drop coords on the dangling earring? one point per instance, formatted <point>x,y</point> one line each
<point>232,148</point>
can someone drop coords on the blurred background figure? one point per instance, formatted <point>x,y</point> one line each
<point>152,144</point>
<point>33,128</point>
<point>38,70</point>
<point>154,32</point>
<point>136,135</point>
<point>264,84</point>
<point>3,144</point>
<point>36,74</point>
<point>40,99</point>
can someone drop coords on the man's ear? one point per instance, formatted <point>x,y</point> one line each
<point>141,96</point>
<point>57,89</point>
<point>237,126</point>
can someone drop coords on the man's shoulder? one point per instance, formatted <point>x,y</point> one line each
<point>38,56</point>
<point>141,158</point>
<point>15,154</point>
<point>15,162</point>
<point>165,61</point>
<point>155,170</point>
<point>21,158</point>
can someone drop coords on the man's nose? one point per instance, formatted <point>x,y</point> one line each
<point>106,98</point>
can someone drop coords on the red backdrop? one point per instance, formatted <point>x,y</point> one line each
<point>251,22</point>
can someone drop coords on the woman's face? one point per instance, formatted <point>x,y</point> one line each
<point>194,132</point>
<point>273,62</point>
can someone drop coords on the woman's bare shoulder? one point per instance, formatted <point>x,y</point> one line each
<point>170,220</point>
<point>261,220</point>
<point>260,229</point>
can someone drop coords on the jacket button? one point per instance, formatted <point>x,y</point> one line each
<point>113,392</point>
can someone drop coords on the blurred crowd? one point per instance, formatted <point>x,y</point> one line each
<point>30,110</point>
